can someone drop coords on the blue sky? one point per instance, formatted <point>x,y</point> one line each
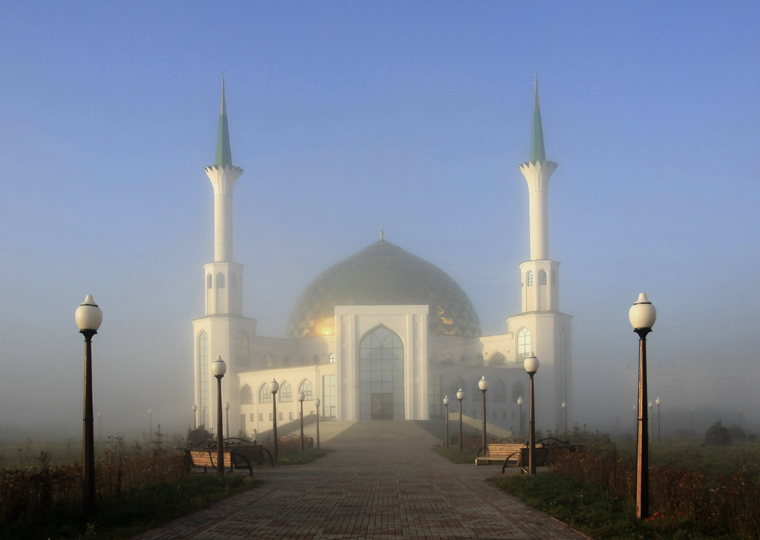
<point>343,113</point>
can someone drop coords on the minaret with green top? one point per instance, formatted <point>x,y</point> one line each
<point>537,173</point>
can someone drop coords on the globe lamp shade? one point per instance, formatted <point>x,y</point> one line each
<point>195,407</point>
<point>483,384</point>
<point>657,401</point>
<point>564,404</point>
<point>642,314</point>
<point>445,400</point>
<point>227,406</point>
<point>301,397</point>
<point>531,364</point>
<point>218,367</point>
<point>88,315</point>
<point>650,404</point>
<point>317,402</point>
<point>519,400</point>
<point>460,395</point>
<point>274,386</point>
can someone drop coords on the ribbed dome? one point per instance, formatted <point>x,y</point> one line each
<point>384,274</point>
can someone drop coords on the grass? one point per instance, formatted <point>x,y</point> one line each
<point>452,454</point>
<point>131,514</point>
<point>301,458</point>
<point>592,512</point>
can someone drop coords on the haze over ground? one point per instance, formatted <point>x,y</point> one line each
<point>345,113</point>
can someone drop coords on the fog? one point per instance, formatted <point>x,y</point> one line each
<point>344,114</point>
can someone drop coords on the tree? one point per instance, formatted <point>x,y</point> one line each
<point>717,435</point>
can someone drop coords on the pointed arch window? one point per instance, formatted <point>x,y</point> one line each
<point>265,396</point>
<point>498,359</point>
<point>524,344</point>
<point>286,392</point>
<point>517,391</point>
<point>529,278</point>
<point>220,281</point>
<point>307,390</point>
<point>209,281</point>
<point>246,395</point>
<point>332,358</point>
<point>541,277</point>
<point>500,391</point>
<point>381,372</point>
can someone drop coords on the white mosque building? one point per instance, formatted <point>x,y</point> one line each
<point>382,334</point>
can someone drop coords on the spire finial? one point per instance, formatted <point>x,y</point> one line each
<point>382,232</point>
<point>223,150</point>
<point>537,151</point>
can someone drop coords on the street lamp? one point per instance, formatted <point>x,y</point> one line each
<point>227,417</point>
<point>150,415</point>
<point>88,317</point>
<point>317,402</point>
<point>564,419</point>
<point>657,402</point>
<point>273,387</point>
<point>519,404</point>
<point>446,422</point>
<point>650,424</point>
<point>218,369</point>
<point>483,385</point>
<point>642,316</point>
<point>195,417</point>
<point>460,397</point>
<point>301,397</point>
<point>531,366</point>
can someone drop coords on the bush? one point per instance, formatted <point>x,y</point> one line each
<point>197,436</point>
<point>717,435</point>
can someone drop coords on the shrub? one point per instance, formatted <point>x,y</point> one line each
<point>717,435</point>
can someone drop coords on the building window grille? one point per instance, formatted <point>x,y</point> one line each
<point>529,278</point>
<point>265,396</point>
<point>524,344</point>
<point>286,392</point>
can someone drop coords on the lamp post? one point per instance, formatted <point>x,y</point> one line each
<point>483,385</point>
<point>317,402</point>
<point>519,404</point>
<point>301,397</point>
<point>446,422</point>
<point>273,387</point>
<point>531,366</point>
<point>203,416</point>
<point>650,423</point>
<point>657,402</point>
<point>150,416</point>
<point>88,317</point>
<point>460,397</point>
<point>642,316</point>
<point>195,417</point>
<point>227,417</point>
<point>218,369</point>
<point>564,419</point>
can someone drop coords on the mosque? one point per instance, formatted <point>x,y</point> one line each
<point>382,334</point>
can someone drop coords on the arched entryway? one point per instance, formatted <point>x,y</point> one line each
<point>381,372</point>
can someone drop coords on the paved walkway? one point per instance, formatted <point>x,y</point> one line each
<point>383,481</point>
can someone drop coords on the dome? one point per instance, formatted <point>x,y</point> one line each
<point>384,274</point>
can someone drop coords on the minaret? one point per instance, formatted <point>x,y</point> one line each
<point>223,276</point>
<point>540,287</point>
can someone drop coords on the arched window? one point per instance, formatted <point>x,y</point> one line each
<point>332,357</point>
<point>203,376</point>
<point>233,281</point>
<point>220,281</point>
<point>246,396</point>
<point>529,277</point>
<point>265,396</point>
<point>500,391</point>
<point>497,359</point>
<point>524,344</point>
<point>307,390</point>
<point>209,281</point>
<point>241,348</point>
<point>541,277</point>
<point>381,367</point>
<point>286,392</point>
<point>517,391</point>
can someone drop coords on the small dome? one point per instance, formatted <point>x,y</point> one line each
<point>384,274</point>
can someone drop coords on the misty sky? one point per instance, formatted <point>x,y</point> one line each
<point>343,113</point>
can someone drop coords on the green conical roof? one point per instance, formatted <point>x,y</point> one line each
<point>537,151</point>
<point>223,151</point>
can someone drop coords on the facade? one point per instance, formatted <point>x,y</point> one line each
<point>383,334</point>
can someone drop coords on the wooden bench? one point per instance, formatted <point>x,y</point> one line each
<point>501,451</point>
<point>208,458</point>
<point>544,449</point>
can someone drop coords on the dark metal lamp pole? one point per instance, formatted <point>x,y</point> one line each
<point>531,366</point>
<point>483,385</point>
<point>301,397</point>
<point>460,397</point>
<point>317,402</point>
<point>519,404</point>
<point>564,419</point>
<point>195,417</point>
<point>88,317</point>
<point>446,423</point>
<point>657,401</point>
<point>642,316</point>
<point>273,387</point>
<point>227,417</point>
<point>218,369</point>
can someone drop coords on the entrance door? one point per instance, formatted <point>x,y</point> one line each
<point>382,406</point>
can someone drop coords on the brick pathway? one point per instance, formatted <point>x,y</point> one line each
<point>372,486</point>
